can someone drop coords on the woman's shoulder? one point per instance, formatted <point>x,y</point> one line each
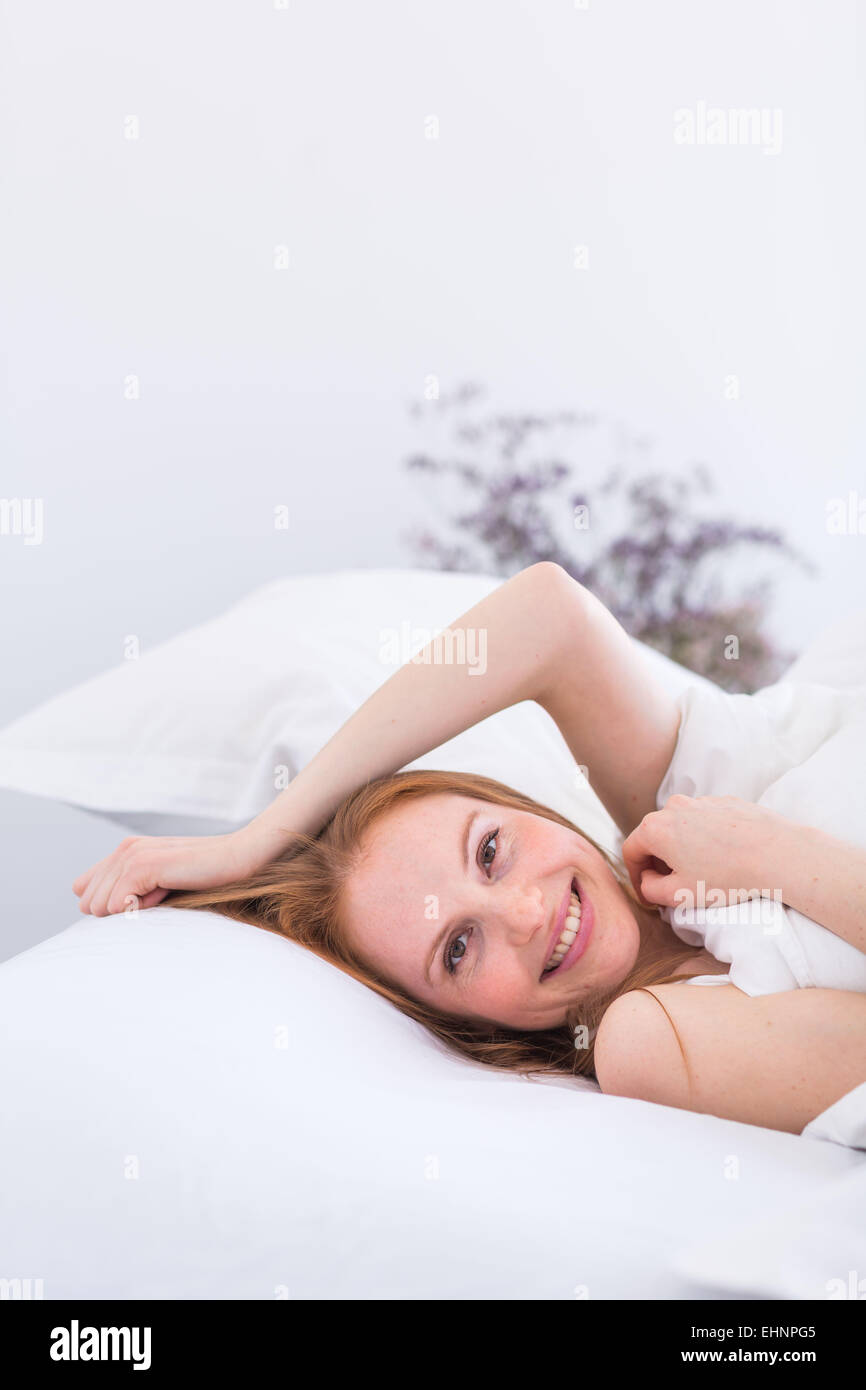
<point>775,1060</point>
<point>648,1038</point>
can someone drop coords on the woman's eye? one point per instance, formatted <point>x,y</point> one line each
<point>485,843</point>
<point>452,957</point>
<point>451,961</point>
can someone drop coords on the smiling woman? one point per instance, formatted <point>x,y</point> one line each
<point>490,918</point>
<point>454,911</point>
<point>467,911</point>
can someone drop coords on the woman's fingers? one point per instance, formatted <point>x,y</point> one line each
<point>89,884</point>
<point>97,884</point>
<point>140,873</point>
<point>644,850</point>
<point>151,899</point>
<point>133,885</point>
<point>144,869</point>
<point>659,888</point>
<point>102,891</point>
<point>82,880</point>
<point>637,852</point>
<point>94,878</point>
<point>115,892</point>
<point>94,885</point>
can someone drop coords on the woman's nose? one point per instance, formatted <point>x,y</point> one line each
<point>523,915</point>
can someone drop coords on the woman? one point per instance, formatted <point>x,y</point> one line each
<point>494,921</point>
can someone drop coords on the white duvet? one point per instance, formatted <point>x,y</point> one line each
<point>798,747</point>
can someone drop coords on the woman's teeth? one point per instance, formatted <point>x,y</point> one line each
<point>569,932</point>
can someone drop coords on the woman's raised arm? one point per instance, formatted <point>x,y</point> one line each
<point>522,626</point>
<point>519,630</point>
<point>544,637</point>
<point>547,638</point>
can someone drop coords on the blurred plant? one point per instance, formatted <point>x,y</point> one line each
<point>656,570</point>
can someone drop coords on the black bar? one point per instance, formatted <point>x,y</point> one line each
<point>227,1337</point>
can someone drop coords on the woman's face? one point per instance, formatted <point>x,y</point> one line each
<point>459,901</point>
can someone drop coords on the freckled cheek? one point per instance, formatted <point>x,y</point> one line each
<point>500,991</point>
<point>618,947</point>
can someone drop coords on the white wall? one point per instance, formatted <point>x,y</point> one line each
<point>305,126</point>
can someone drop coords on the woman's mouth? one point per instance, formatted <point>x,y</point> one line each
<point>574,936</point>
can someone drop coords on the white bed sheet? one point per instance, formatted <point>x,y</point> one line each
<point>194,1108</point>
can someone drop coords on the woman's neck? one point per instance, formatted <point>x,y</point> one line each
<point>658,938</point>
<point>654,930</point>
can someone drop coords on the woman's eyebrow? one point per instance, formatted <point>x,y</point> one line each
<point>449,925</point>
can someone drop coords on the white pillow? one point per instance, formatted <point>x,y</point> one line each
<point>189,738</point>
<point>194,1108</point>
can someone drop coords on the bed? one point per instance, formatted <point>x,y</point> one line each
<point>197,1109</point>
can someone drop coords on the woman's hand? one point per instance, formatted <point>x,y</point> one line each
<point>143,869</point>
<point>719,840</point>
